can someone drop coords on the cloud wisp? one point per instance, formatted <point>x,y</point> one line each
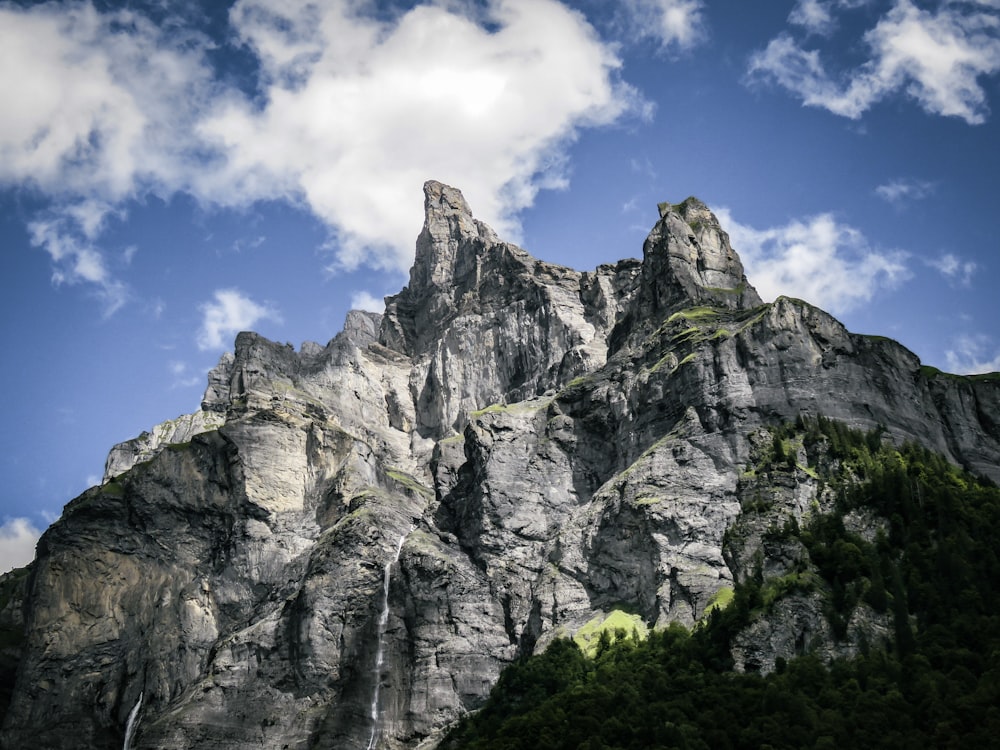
<point>935,57</point>
<point>973,354</point>
<point>229,313</point>
<point>900,191</point>
<point>351,112</point>
<point>676,25</point>
<point>77,260</point>
<point>815,16</point>
<point>365,300</point>
<point>818,259</point>
<point>18,537</point>
<point>959,272</point>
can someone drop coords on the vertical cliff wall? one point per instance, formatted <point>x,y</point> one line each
<point>514,451</point>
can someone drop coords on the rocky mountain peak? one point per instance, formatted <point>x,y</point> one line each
<point>449,230</point>
<point>689,261</point>
<point>447,249</point>
<point>348,543</point>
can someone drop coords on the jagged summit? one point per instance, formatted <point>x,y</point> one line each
<point>687,261</point>
<point>350,542</point>
<point>690,262</point>
<point>449,249</point>
<point>449,230</point>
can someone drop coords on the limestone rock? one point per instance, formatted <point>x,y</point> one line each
<point>346,544</point>
<point>127,454</point>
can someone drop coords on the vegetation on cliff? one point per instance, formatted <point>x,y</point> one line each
<point>929,559</point>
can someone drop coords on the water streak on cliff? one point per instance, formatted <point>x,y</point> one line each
<point>383,620</point>
<point>132,724</point>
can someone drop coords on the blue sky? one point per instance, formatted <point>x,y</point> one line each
<point>172,172</point>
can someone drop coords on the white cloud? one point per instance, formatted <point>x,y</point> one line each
<point>18,537</point>
<point>675,24</point>
<point>230,313</point>
<point>955,269</point>
<point>76,261</point>
<point>973,354</point>
<point>819,259</point>
<point>934,57</point>
<point>813,15</point>
<point>83,121</point>
<point>355,109</point>
<point>364,300</point>
<point>359,112</point>
<point>817,16</point>
<point>902,190</point>
<point>97,107</point>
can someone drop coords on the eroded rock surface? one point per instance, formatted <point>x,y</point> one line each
<point>541,446</point>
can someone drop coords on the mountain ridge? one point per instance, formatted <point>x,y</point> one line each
<point>551,446</point>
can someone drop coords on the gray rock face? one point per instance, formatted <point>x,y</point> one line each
<point>514,450</point>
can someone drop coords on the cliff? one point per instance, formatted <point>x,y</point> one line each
<point>346,544</point>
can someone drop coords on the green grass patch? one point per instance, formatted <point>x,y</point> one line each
<point>519,407</point>
<point>408,482</point>
<point>647,500</point>
<point>691,314</point>
<point>114,489</point>
<point>688,358</point>
<point>688,334</point>
<point>618,624</point>
<point>780,587</point>
<point>808,470</point>
<point>720,600</point>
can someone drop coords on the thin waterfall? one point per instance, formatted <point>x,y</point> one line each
<point>383,620</point>
<point>132,724</point>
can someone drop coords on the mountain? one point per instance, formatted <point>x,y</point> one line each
<point>901,559</point>
<point>346,545</point>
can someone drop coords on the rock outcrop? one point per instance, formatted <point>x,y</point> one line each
<point>346,544</point>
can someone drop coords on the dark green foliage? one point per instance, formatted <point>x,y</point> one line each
<point>933,567</point>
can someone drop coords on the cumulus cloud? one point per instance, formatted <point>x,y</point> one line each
<point>902,190</point>
<point>18,537</point>
<point>83,121</point>
<point>828,263</point>
<point>97,108</point>
<point>955,269</point>
<point>354,108</point>
<point>359,112</point>
<point>364,300</point>
<point>231,312</point>
<point>973,354</point>
<point>936,57</point>
<point>675,24</point>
